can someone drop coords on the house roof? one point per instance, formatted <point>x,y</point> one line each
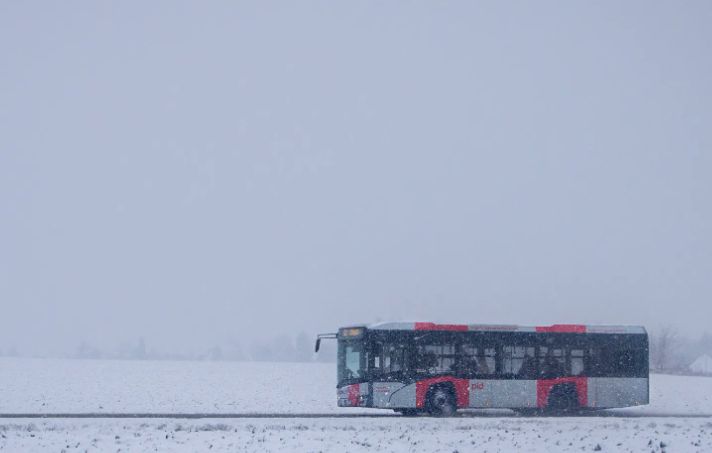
<point>703,364</point>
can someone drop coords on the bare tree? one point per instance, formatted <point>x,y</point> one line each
<point>664,344</point>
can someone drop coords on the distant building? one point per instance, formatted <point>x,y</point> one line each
<point>702,365</point>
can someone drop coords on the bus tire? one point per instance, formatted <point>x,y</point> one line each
<point>563,399</point>
<point>441,401</point>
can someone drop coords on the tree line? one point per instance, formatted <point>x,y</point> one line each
<point>281,348</point>
<point>673,352</point>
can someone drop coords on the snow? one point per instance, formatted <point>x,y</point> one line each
<point>675,418</point>
<point>670,394</point>
<point>394,434</point>
<point>69,386</point>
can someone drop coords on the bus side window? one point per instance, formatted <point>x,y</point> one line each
<point>551,362</point>
<point>512,359</point>
<point>623,361</point>
<point>429,358</point>
<point>485,361</point>
<point>528,368</point>
<point>576,362</point>
<point>466,364</point>
<point>375,357</point>
<point>593,364</point>
<point>392,358</point>
<point>396,357</point>
<point>479,361</point>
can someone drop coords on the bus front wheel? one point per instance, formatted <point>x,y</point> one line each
<point>441,402</point>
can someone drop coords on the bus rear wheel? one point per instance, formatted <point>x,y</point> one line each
<point>441,402</point>
<point>563,399</point>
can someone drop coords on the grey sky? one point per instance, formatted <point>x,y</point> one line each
<point>193,172</point>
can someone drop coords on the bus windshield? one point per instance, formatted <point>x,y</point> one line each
<point>351,361</point>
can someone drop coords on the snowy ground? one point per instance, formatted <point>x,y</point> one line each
<point>671,423</point>
<point>355,435</point>
<point>49,385</point>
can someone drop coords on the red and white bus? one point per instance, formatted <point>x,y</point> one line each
<point>419,367</point>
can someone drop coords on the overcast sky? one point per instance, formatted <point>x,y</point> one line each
<point>198,172</point>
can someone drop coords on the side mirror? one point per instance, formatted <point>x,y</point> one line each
<point>319,337</point>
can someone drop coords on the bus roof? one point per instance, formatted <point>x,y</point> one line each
<point>555,328</point>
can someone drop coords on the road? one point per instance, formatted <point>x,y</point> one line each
<point>277,415</point>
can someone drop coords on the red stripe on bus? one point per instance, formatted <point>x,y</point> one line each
<point>354,393</point>
<point>544,386</point>
<point>462,390</point>
<point>433,326</point>
<point>563,328</point>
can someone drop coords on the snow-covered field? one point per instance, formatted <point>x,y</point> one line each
<point>356,435</point>
<point>56,385</point>
<point>672,422</point>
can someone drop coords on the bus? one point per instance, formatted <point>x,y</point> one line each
<point>424,367</point>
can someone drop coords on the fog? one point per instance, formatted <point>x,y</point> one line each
<point>198,173</point>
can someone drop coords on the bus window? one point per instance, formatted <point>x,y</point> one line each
<point>353,361</point>
<point>482,358</point>
<point>551,362</point>
<point>593,363</point>
<point>512,359</point>
<point>394,358</point>
<point>519,361</point>
<point>576,361</point>
<point>375,361</point>
<point>349,361</point>
<point>620,361</point>
<point>437,358</point>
